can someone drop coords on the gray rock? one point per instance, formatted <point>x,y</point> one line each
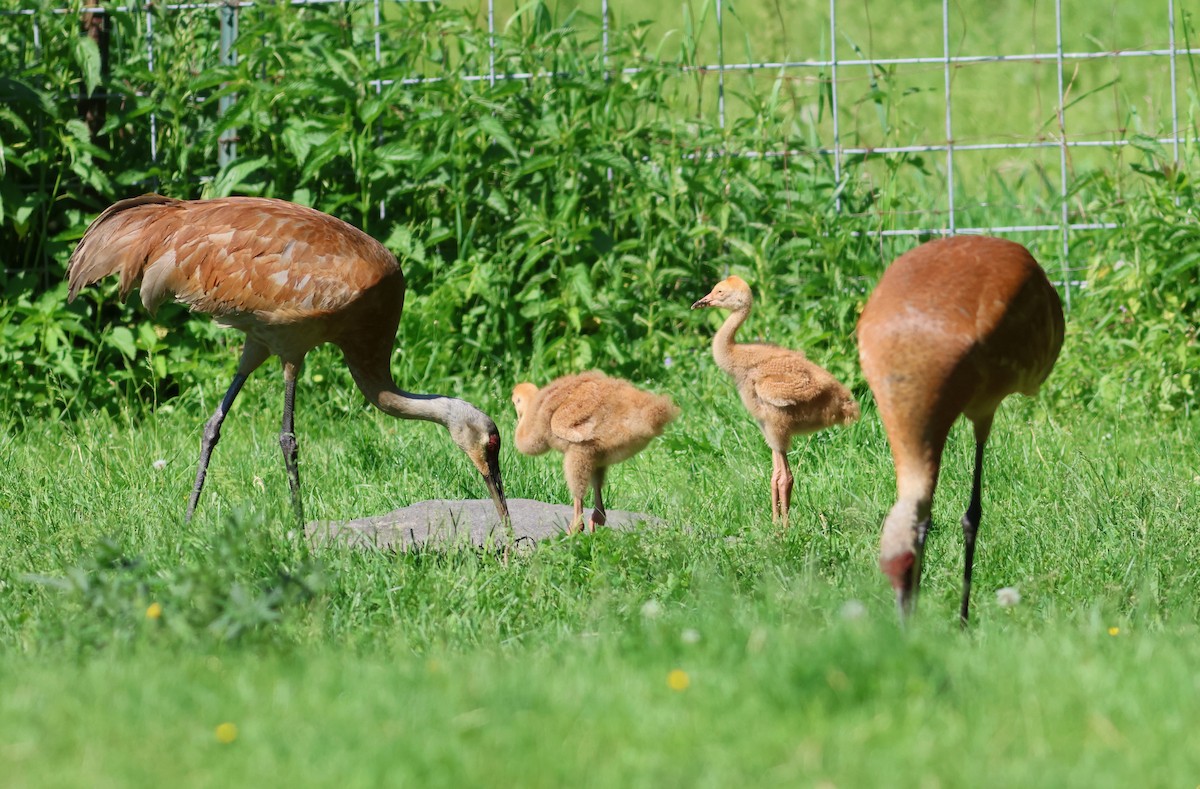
<point>441,522</point>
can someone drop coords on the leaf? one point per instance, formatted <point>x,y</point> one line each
<point>405,244</point>
<point>608,159</point>
<point>233,177</point>
<point>492,126</point>
<point>535,163</point>
<point>87,57</point>
<point>398,152</point>
<point>121,338</point>
<point>301,136</point>
<point>497,203</point>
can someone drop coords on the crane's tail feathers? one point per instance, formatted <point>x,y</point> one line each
<point>114,242</point>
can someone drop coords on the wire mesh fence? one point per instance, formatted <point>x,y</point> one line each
<point>993,152</point>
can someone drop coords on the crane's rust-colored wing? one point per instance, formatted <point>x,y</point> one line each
<point>277,260</point>
<point>107,246</point>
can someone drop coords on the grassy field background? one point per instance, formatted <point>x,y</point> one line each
<point>556,215</point>
<point>449,669</point>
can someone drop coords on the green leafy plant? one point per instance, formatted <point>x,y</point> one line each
<point>245,586</point>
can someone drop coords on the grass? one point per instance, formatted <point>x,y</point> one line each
<point>452,669</point>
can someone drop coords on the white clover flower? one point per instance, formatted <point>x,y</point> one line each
<point>159,464</point>
<point>690,636</point>
<point>853,610</point>
<point>1008,596</point>
<point>652,609</point>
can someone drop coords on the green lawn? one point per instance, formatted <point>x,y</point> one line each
<point>452,669</point>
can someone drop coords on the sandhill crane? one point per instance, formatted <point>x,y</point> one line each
<point>785,392</point>
<point>953,327</point>
<point>291,278</point>
<point>595,421</point>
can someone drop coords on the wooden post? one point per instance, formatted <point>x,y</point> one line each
<point>93,107</point>
<point>227,144</point>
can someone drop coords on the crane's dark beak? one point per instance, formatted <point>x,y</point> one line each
<point>491,477</point>
<point>904,571</point>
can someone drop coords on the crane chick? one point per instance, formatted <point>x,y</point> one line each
<point>595,421</point>
<point>953,327</point>
<point>290,278</point>
<point>787,394</point>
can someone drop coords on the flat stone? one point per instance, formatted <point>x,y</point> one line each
<point>441,522</point>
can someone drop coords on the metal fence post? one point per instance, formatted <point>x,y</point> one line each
<point>227,142</point>
<point>1062,155</point>
<point>720,67</point>
<point>833,106</point>
<point>949,114</point>
<point>376,21</point>
<point>1174,86</point>
<point>150,67</point>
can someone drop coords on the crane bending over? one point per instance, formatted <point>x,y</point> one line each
<point>953,327</point>
<point>291,278</point>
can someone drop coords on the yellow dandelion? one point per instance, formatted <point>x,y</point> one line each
<point>678,680</point>
<point>1114,631</point>
<point>318,378</point>
<point>153,611</point>
<point>226,733</point>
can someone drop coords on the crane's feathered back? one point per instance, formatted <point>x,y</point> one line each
<point>230,256</point>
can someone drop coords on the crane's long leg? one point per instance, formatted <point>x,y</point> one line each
<point>577,470</point>
<point>253,355</point>
<point>774,488</point>
<point>599,517</point>
<point>781,487</point>
<point>287,436</point>
<point>970,519</point>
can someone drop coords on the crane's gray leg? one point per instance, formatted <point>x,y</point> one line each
<point>287,435</point>
<point>599,518</point>
<point>970,519</point>
<point>253,355</point>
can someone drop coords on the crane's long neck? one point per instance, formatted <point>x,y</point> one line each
<point>376,383</point>
<point>406,405</point>
<point>470,429</point>
<point>723,341</point>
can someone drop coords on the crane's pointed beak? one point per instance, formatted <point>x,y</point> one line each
<point>904,571</point>
<point>496,489</point>
<point>704,302</point>
<point>495,485</point>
